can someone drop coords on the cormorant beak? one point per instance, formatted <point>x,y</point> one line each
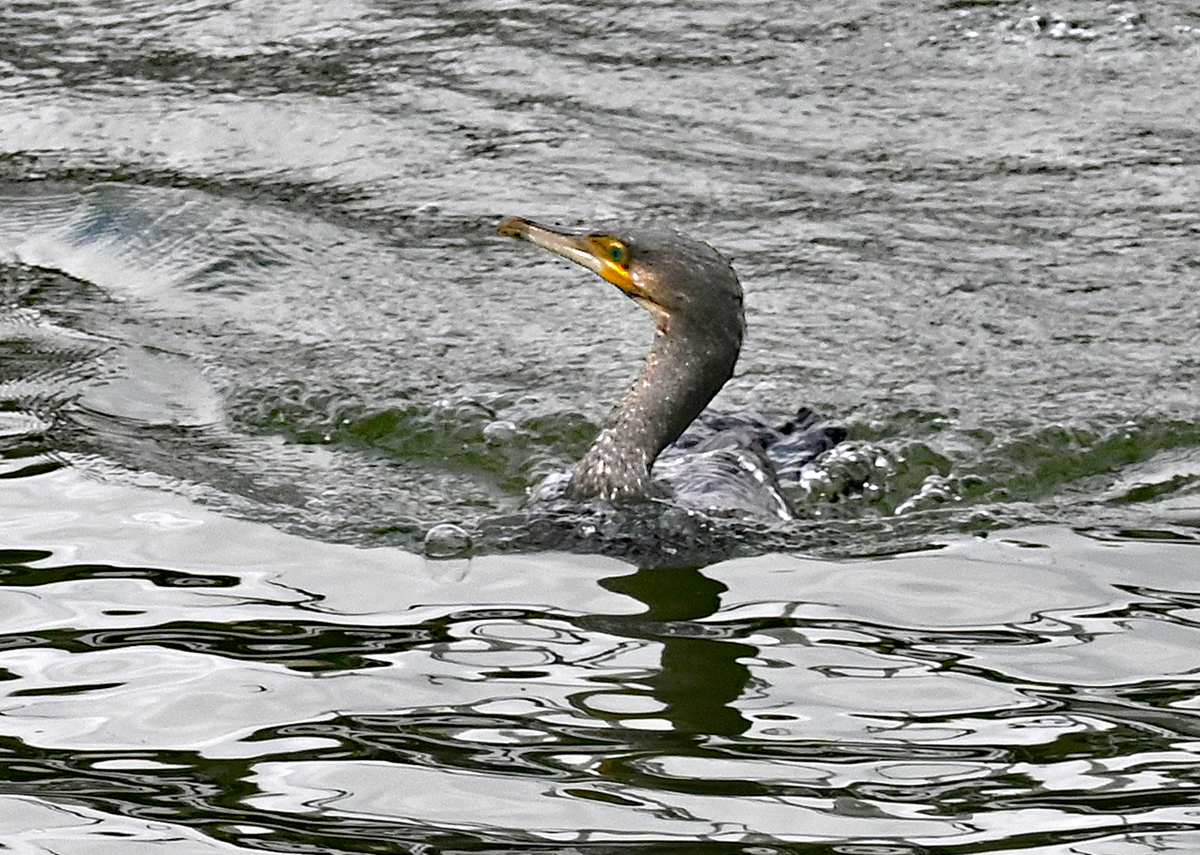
<point>599,253</point>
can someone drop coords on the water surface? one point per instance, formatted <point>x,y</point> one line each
<point>259,336</point>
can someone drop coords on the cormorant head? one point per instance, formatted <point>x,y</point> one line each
<point>685,284</point>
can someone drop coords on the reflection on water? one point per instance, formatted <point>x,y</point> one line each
<point>699,673</point>
<point>1002,693</point>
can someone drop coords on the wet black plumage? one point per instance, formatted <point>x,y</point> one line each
<point>728,464</point>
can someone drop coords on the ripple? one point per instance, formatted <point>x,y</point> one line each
<point>258,337</point>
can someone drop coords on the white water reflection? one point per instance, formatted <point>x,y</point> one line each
<point>554,698</point>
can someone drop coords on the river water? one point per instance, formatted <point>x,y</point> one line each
<point>260,337</point>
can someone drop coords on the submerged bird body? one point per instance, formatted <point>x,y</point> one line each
<point>695,299</point>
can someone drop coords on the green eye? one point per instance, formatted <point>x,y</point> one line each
<point>610,249</point>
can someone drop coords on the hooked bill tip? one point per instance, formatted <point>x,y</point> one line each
<point>513,227</point>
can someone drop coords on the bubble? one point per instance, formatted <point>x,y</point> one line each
<point>446,540</point>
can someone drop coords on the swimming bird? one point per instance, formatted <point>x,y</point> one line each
<point>724,465</point>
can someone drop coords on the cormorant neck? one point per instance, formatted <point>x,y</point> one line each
<point>683,372</point>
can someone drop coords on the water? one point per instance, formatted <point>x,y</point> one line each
<point>259,337</point>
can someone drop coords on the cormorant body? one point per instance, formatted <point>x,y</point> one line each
<point>724,464</point>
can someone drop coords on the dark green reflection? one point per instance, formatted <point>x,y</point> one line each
<point>700,672</point>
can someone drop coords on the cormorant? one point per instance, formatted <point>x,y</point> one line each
<point>724,465</point>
